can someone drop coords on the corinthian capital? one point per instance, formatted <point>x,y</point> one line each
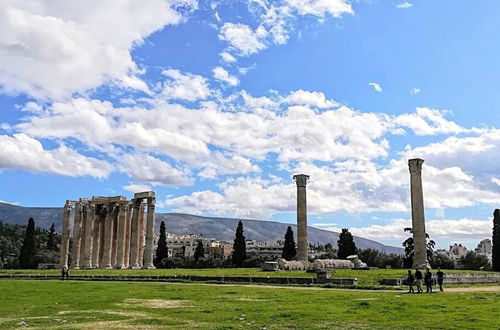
<point>415,165</point>
<point>301,179</point>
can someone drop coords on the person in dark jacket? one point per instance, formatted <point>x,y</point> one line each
<point>418,280</point>
<point>440,278</point>
<point>428,280</point>
<point>410,280</point>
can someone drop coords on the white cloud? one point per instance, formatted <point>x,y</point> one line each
<point>23,152</point>
<point>415,90</point>
<point>404,5</point>
<point>228,58</point>
<point>320,7</point>
<point>243,38</point>
<point>185,86</point>
<point>219,164</point>
<point>145,168</point>
<point>376,87</point>
<point>51,50</point>
<point>426,121</point>
<point>222,75</point>
<point>316,99</point>
<point>136,188</point>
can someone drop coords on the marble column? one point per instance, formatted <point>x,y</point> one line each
<point>120,239</point>
<point>115,235</point>
<point>417,213</point>
<point>77,234</point>
<point>83,230</point>
<point>150,223</point>
<point>141,234</point>
<point>89,230</point>
<point>128,235</point>
<point>302,243</point>
<point>102,238</point>
<point>96,241</point>
<point>65,235</point>
<point>134,237</point>
<point>108,238</point>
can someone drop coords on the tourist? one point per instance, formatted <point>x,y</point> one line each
<point>65,273</point>
<point>428,280</point>
<point>410,279</point>
<point>440,277</point>
<point>418,280</point>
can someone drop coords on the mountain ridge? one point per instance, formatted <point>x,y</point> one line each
<point>219,228</point>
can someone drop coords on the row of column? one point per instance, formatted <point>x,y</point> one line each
<point>116,234</point>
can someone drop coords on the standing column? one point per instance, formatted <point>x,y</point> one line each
<point>115,235</point>
<point>102,237</point>
<point>302,243</point>
<point>77,234</point>
<point>84,210</point>
<point>134,238</point>
<point>417,213</point>
<point>89,230</point>
<point>141,233</point>
<point>108,238</point>
<point>120,238</point>
<point>65,235</point>
<point>96,240</point>
<point>150,224</point>
<point>127,235</point>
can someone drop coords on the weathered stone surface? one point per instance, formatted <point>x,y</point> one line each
<point>302,242</point>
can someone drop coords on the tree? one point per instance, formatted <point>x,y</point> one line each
<point>289,250</point>
<point>51,239</point>
<point>239,247</point>
<point>496,240</point>
<point>410,249</point>
<point>161,250</point>
<point>28,249</point>
<point>199,252</point>
<point>346,244</point>
<point>475,261</point>
<point>442,260</point>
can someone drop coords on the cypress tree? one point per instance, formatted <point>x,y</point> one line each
<point>28,249</point>
<point>239,247</point>
<point>199,252</point>
<point>289,250</point>
<point>161,250</point>
<point>346,244</point>
<point>51,239</point>
<point>496,241</point>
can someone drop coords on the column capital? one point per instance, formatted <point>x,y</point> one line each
<point>301,179</point>
<point>415,165</point>
<point>151,202</point>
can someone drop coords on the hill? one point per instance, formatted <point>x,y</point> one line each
<point>212,227</point>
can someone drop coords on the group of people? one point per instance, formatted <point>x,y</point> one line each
<point>427,278</point>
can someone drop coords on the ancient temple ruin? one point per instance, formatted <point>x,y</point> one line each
<point>109,232</point>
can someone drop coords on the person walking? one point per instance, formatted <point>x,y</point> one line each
<point>410,280</point>
<point>428,280</point>
<point>418,280</point>
<point>440,277</point>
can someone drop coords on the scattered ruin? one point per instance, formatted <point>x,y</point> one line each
<point>109,232</point>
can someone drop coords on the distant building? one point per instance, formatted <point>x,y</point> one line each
<point>185,246</point>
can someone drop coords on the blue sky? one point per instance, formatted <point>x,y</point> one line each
<point>216,104</point>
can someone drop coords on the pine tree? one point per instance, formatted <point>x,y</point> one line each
<point>289,250</point>
<point>28,249</point>
<point>346,244</point>
<point>199,252</point>
<point>496,240</point>
<point>51,239</point>
<point>239,247</point>
<point>409,249</point>
<point>161,250</point>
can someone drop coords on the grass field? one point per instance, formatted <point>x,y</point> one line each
<point>365,278</point>
<point>90,305</point>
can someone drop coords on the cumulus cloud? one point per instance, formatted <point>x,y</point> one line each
<point>426,121</point>
<point>320,8</point>
<point>23,152</point>
<point>316,99</point>
<point>415,90</point>
<point>222,75</point>
<point>228,58</point>
<point>243,38</point>
<point>136,188</point>
<point>51,50</point>
<point>376,87</point>
<point>185,86</point>
<point>145,168</point>
<point>404,5</point>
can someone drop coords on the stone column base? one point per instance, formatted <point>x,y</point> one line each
<point>148,267</point>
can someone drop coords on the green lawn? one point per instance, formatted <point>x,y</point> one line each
<point>365,277</point>
<point>90,305</point>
